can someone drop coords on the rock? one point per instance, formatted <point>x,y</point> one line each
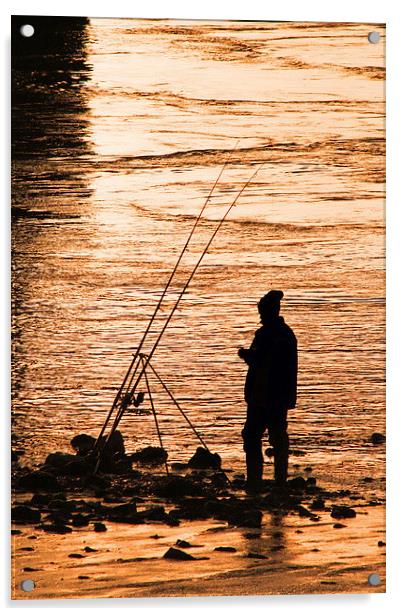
<point>269,452</point>
<point>183,544</point>
<point>223,548</point>
<point>179,466</point>
<point>88,549</point>
<point>155,514</point>
<point>59,517</point>
<point>59,504</point>
<point>21,514</point>
<point>123,513</point>
<point>175,554</point>
<point>311,481</point>
<point>59,460</point>
<point>255,555</point>
<point>39,480</point>
<point>39,500</point>
<point>342,511</point>
<point>381,544</point>
<point>77,467</point>
<point>79,520</point>
<point>14,531</point>
<point>339,525</point>
<point>204,459</point>
<point>151,456</point>
<point>83,444</point>
<point>308,469</point>
<point>297,483</point>
<point>58,529</point>
<point>75,555</point>
<point>318,504</point>
<point>303,512</point>
<point>99,527</point>
<point>377,438</point>
<point>176,486</point>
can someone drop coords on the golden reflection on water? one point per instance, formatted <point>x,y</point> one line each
<point>162,108</point>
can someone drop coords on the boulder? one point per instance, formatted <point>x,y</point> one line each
<point>124,513</point>
<point>155,514</point>
<point>175,554</point>
<point>59,459</point>
<point>318,504</point>
<point>39,500</point>
<point>99,527</point>
<point>342,511</point>
<point>150,456</point>
<point>79,520</point>
<point>204,459</point>
<point>77,467</point>
<point>39,480</point>
<point>297,483</point>
<point>83,444</point>
<point>115,446</point>
<point>21,514</point>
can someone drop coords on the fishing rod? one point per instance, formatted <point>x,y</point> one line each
<point>121,411</point>
<point>125,398</point>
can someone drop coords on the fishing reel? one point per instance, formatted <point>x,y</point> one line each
<point>130,402</point>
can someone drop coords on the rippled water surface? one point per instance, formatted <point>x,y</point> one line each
<point>116,144</point>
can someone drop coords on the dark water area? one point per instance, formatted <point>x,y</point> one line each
<point>119,129</point>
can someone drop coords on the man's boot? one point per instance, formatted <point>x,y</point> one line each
<point>254,463</point>
<point>281,467</point>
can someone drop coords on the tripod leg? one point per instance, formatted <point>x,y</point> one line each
<point>171,396</point>
<point>154,413</point>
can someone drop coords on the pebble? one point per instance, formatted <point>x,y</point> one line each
<point>256,555</point>
<point>74,555</point>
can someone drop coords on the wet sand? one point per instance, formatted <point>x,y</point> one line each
<point>287,555</point>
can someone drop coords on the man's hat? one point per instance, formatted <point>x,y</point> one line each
<point>271,300</point>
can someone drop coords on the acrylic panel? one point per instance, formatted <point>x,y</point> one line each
<point>198,308</point>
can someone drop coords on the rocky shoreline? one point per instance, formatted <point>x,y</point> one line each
<point>64,493</point>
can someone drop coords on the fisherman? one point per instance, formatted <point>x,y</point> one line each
<point>270,390</point>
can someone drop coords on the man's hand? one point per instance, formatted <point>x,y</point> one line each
<point>242,353</point>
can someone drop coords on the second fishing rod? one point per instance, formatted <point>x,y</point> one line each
<point>123,396</point>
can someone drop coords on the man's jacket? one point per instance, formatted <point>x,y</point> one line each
<point>272,358</point>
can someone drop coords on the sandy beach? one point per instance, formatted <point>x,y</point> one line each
<point>300,557</point>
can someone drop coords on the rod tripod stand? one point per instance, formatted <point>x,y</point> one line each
<point>147,368</point>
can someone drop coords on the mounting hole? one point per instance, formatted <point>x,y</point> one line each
<point>374,37</point>
<point>374,579</point>
<point>27,30</point>
<point>27,585</point>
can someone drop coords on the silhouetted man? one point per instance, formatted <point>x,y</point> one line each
<point>270,390</point>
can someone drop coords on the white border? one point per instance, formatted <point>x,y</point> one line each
<point>370,11</point>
